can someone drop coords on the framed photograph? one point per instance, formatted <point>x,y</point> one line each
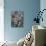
<point>17,19</point>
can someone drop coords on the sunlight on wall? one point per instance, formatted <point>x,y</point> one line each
<point>1,25</point>
<point>1,21</point>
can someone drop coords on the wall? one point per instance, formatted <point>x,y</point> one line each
<point>43,6</point>
<point>29,7</point>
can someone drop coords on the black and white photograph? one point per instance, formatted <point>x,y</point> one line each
<point>17,19</point>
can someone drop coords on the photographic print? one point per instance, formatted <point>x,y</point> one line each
<point>17,19</point>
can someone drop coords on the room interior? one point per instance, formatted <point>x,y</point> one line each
<point>10,36</point>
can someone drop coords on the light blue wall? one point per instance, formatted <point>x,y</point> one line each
<point>43,6</point>
<point>29,7</point>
